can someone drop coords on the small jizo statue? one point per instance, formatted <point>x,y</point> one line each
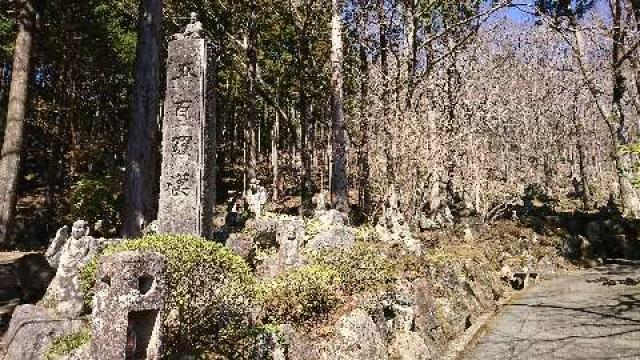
<point>68,247</point>
<point>256,197</point>
<point>68,254</point>
<point>320,200</point>
<point>192,31</point>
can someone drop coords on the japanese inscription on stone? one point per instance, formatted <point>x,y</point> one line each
<point>187,185</point>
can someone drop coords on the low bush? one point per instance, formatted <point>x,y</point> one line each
<point>360,268</point>
<point>299,295</point>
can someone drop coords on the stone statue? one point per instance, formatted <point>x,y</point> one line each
<point>192,31</point>
<point>320,200</point>
<point>256,197</point>
<point>69,254</point>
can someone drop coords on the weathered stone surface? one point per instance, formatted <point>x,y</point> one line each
<point>71,254</point>
<point>393,229</point>
<point>32,330</point>
<point>81,353</point>
<point>333,237</point>
<point>187,179</point>
<point>129,306</point>
<point>399,309</point>
<point>289,236</point>
<point>241,244</point>
<point>282,250</point>
<point>357,338</point>
<point>409,346</point>
<point>331,217</point>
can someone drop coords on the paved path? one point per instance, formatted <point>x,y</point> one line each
<point>570,317</point>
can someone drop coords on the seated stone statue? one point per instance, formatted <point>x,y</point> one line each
<point>193,30</point>
<point>69,254</point>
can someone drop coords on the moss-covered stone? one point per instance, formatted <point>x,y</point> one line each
<point>211,293</point>
<point>65,344</point>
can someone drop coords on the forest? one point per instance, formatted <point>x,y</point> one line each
<point>315,179</point>
<point>459,104</point>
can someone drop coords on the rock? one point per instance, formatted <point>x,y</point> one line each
<point>129,309</point>
<point>425,307</point>
<point>452,318</point>
<point>393,229</point>
<point>289,237</point>
<point>331,217</point>
<point>399,311</point>
<point>333,237</point>
<point>32,330</point>
<point>81,353</point>
<point>321,200</point>
<point>358,338</point>
<point>409,346</point>
<point>151,228</point>
<point>242,245</point>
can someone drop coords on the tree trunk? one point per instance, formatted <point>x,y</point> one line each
<point>252,66</point>
<point>14,130</point>
<point>364,195</point>
<point>412,48</point>
<point>339,191</point>
<point>624,162</point>
<point>386,121</point>
<point>583,188</point>
<point>306,123</point>
<point>141,200</point>
<point>275,135</point>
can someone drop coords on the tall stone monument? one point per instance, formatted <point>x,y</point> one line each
<point>187,182</point>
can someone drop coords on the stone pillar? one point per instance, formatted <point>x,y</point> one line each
<point>187,184</point>
<point>129,309</point>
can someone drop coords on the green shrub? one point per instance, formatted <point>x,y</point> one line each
<point>65,344</point>
<point>360,268</point>
<point>97,198</point>
<point>211,293</point>
<point>299,295</point>
<point>312,227</point>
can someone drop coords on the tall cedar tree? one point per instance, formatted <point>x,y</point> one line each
<point>142,151</point>
<point>14,131</point>
<point>340,184</point>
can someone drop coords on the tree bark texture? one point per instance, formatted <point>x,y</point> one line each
<point>386,121</point>
<point>364,188</point>
<point>251,113</point>
<point>624,162</point>
<point>340,184</point>
<point>307,124</point>
<point>16,111</point>
<point>142,185</point>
